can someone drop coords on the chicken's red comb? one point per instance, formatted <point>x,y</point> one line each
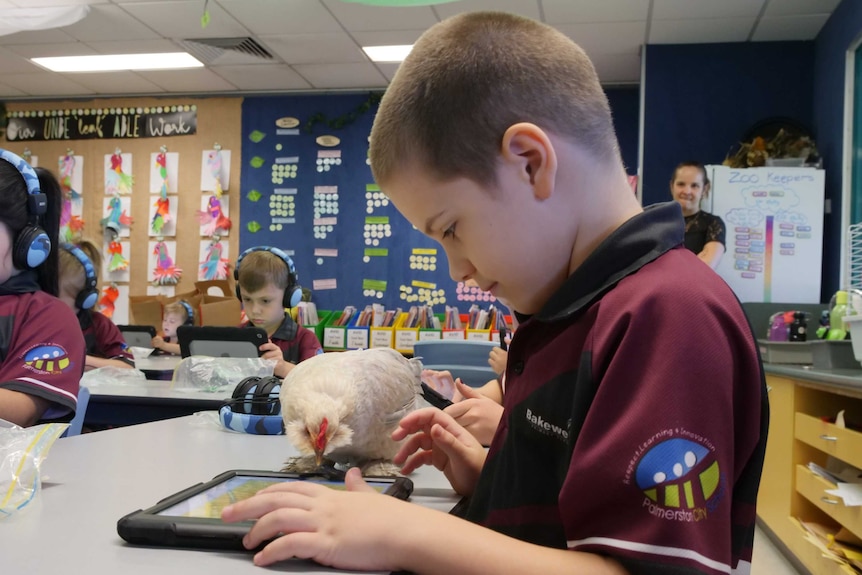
<point>320,444</point>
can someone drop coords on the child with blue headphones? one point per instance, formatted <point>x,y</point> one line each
<point>79,277</point>
<point>42,351</point>
<point>266,284</point>
<point>174,315</point>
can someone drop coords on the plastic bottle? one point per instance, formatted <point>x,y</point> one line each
<point>798,327</point>
<point>837,329</point>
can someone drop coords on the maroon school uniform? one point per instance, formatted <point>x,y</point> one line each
<point>41,350</point>
<point>103,338</point>
<point>635,413</point>
<point>296,342</point>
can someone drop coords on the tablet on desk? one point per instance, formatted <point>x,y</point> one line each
<point>192,517</point>
<point>221,341</point>
<point>138,335</point>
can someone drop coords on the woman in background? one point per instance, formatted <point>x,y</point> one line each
<point>704,232</point>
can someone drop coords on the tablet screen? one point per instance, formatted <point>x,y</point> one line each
<point>209,504</point>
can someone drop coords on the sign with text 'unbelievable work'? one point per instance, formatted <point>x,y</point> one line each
<point>90,124</point>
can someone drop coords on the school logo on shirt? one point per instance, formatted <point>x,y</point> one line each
<point>679,476</point>
<point>47,359</point>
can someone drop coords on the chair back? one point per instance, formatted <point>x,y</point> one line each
<point>462,358</point>
<point>77,423</point>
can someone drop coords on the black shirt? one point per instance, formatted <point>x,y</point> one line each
<point>702,228</point>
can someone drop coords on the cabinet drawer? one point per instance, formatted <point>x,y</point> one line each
<point>844,444</point>
<point>813,487</point>
<point>810,555</point>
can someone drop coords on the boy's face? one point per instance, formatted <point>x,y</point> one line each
<point>264,307</point>
<point>170,323</point>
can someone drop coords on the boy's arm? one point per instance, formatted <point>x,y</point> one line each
<point>711,254</point>
<point>93,362</point>
<point>21,408</point>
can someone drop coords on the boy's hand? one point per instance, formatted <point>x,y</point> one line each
<point>272,351</point>
<point>432,437</point>
<point>442,382</point>
<point>158,342</point>
<point>348,530</point>
<point>476,413</point>
<point>497,359</point>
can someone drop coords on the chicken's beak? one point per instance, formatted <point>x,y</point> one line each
<point>318,458</point>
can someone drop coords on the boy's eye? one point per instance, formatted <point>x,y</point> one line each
<point>449,232</point>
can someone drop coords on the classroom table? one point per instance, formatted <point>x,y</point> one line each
<point>158,366</point>
<point>126,404</point>
<point>92,480</point>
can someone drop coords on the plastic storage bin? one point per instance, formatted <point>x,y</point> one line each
<point>798,352</point>
<point>854,325</point>
<point>833,354</point>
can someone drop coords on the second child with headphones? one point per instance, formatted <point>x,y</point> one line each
<point>175,314</point>
<point>106,346</point>
<point>266,284</point>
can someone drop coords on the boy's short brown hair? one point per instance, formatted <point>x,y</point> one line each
<point>260,268</point>
<point>472,76</point>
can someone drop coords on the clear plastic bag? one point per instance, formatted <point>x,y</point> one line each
<point>113,376</point>
<point>201,373</point>
<point>22,451</point>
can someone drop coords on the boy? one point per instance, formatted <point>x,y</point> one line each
<point>175,315</point>
<point>106,346</point>
<point>635,411</point>
<point>265,284</point>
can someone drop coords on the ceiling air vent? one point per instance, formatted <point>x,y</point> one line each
<point>216,50</point>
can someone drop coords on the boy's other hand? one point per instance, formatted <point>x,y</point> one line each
<point>476,413</point>
<point>348,530</point>
<point>497,359</point>
<point>272,351</point>
<point>158,342</point>
<point>442,382</point>
<point>433,437</point>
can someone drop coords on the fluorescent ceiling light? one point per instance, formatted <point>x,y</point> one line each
<point>387,53</point>
<point>115,62</point>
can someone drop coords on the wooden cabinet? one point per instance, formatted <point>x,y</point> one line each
<point>799,433</point>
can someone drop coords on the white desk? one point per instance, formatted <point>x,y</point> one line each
<point>96,478</point>
<point>123,404</point>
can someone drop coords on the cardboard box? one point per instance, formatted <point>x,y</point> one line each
<point>146,310</point>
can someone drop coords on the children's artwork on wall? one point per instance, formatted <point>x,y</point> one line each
<point>164,173</point>
<point>30,158</point>
<point>108,300</point>
<point>117,218</point>
<point>163,216</point>
<point>118,173</point>
<point>115,263</point>
<point>121,306</point>
<point>214,260</point>
<point>163,271</point>
<point>213,216</point>
<point>215,171</point>
<point>167,291</point>
<point>70,169</point>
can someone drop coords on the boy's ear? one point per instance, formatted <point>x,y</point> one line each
<point>531,150</point>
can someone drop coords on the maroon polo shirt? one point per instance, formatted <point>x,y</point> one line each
<point>296,342</point>
<point>103,337</point>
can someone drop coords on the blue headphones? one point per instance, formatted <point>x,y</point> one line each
<point>190,313</point>
<point>254,407</point>
<point>293,291</point>
<point>89,295</point>
<point>32,245</point>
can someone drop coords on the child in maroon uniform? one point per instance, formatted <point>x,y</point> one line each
<point>42,349</point>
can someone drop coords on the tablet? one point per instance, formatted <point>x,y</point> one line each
<point>192,517</point>
<point>138,335</point>
<point>221,341</point>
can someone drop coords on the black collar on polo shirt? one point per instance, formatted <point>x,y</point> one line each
<point>24,282</point>
<point>640,240</point>
<point>287,330</point>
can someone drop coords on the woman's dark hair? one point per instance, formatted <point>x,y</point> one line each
<point>691,164</point>
<point>13,213</point>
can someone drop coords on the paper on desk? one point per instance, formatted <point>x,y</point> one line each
<point>851,493</point>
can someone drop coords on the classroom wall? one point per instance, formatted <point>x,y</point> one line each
<point>700,99</point>
<point>830,49</point>
<point>625,107</point>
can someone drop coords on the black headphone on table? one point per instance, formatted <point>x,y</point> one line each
<point>255,407</point>
<point>32,245</point>
<point>89,294</point>
<point>190,313</point>
<point>293,291</point>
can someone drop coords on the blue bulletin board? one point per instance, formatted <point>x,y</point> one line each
<point>314,197</point>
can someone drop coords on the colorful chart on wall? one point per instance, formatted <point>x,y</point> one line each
<point>307,188</point>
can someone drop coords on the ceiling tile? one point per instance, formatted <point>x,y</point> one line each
<point>618,68</point>
<point>187,81</point>
<point>799,7</point>
<point>361,17</point>
<point>326,47</point>
<point>46,84</point>
<point>117,83</point>
<point>528,8</point>
<point>36,37</point>
<point>387,38</point>
<point>182,19</point>
<point>568,12</point>
<point>278,17</point>
<point>262,77</point>
<point>695,9</point>
<point>332,76</point>
<point>134,46</point>
<point>789,28</point>
<point>8,91</point>
<point>108,22</point>
<point>44,3</point>
<point>388,69</point>
<point>700,31</point>
<point>48,50</point>
<point>606,37</point>
<point>12,63</point>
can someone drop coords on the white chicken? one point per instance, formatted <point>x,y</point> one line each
<point>342,407</point>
